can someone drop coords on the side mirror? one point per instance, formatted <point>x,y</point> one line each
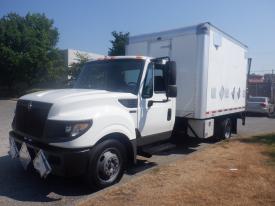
<point>171,79</point>
<point>171,72</point>
<point>172,91</point>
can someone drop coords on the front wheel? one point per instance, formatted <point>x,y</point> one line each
<point>107,164</point>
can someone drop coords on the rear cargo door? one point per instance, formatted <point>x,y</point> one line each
<point>160,48</point>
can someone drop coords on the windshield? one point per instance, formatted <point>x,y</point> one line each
<point>117,75</point>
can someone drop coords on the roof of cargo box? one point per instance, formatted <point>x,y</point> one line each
<point>202,28</point>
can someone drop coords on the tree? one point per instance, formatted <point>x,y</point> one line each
<point>119,43</point>
<point>74,68</point>
<point>28,53</point>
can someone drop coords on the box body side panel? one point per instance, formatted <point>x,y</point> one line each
<point>226,81</point>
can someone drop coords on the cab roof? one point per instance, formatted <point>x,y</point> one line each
<point>121,57</point>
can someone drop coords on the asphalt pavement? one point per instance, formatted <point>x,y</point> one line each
<point>19,187</point>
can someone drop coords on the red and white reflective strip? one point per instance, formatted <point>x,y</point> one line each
<point>223,110</point>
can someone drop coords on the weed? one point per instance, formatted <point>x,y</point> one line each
<point>269,141</point>
<point>156,170</point>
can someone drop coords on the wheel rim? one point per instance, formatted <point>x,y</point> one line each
<point>108,166</point>
<point>227,133</point>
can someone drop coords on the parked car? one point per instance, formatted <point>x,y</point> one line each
<point>260,105</point>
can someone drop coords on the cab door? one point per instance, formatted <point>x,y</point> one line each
<point>156,112</point>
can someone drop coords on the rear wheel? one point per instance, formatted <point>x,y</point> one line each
<point>224,129</point>
<point>107,164</point>
<point>270,112</point>
<point>227,129</point>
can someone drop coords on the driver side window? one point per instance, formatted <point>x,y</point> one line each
<point>147,91</point>
<point>131,76</point>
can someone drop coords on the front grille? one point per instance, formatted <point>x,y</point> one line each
<point>30,117</point>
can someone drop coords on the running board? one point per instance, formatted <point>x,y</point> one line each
<point>148,151</point>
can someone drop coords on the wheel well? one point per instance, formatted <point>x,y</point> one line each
<point>123,139</point>
<point>234,123</point>
<point>219,120</point>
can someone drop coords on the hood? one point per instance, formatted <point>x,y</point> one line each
<point>73,95</point>
<point>78,104</point>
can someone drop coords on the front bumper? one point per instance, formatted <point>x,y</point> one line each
<point>63,161</point>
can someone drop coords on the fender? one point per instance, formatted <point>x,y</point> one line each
<point>115,119</point>
<point>116,129</point>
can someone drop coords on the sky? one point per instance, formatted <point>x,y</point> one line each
<point>87,24</point>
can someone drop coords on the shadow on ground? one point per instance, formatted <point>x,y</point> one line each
<point>27,186</point>
<point>181,146</point>
<point>21,185</point>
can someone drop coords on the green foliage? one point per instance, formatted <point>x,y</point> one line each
<point>28,53</point>
<point>269,141</point>
<point>119,43</point>
<point>74,68</point>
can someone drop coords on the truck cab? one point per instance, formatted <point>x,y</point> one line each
<point>117,105</point>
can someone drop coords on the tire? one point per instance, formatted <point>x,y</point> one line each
<point>270,113</point>
<point>224,130</point>
<point>107,164</point>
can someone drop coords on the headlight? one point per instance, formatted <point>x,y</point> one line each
<point>63,130</point>
<point>77,129</point>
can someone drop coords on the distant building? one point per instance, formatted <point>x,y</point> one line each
<point>269,78</point>
<point>255,78</point>
<point>262,85</point>
<point>70,55</point>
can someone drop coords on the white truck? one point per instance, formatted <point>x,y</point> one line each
<point>191,80</point>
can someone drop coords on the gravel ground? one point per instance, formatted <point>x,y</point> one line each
<point>18,187</point>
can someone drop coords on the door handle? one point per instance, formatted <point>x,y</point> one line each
<point>169,114</point>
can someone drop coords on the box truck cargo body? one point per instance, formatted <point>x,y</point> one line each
<point>189,81</point>
<point>211,68</point>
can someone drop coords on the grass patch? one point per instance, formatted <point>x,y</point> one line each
<point>156,170</point>
<point>224,144</point>
<point>267,140</point>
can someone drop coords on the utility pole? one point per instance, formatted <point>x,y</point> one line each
<point>272,87</point>
<point>249,60</point>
